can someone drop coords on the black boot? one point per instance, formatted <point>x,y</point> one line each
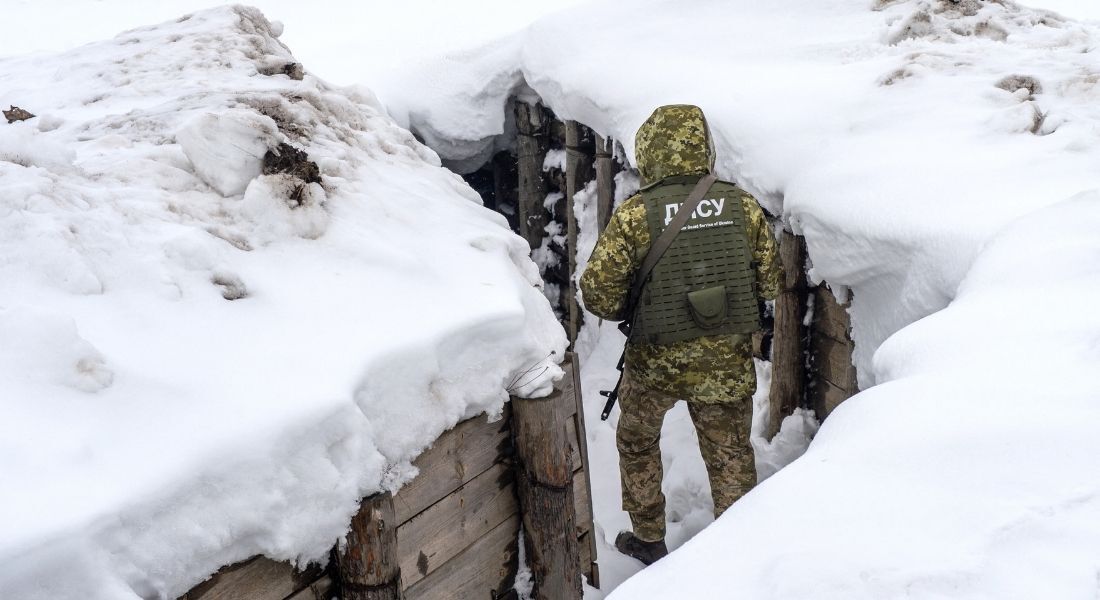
<point>647,552</point>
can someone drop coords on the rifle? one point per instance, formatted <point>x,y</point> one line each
<point>613,395</point>
<point>656,250</point>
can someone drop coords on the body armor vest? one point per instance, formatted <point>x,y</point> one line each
<point>705,283</point>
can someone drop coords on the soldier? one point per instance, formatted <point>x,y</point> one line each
<point>692,321</point>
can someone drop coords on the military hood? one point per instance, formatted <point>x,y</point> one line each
<point>674,140</point>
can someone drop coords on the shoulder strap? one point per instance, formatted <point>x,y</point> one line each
<point>661,244</point>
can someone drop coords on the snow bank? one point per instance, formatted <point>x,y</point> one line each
<point>916,144</point>
<point>966,474</point>
<point>205,355</point>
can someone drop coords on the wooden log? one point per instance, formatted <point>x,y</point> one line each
<point>788,364</point>
<point>487,569</point>
<point>368,563</point>
<point>453,524</point>
<point>532,123</point>
<point>459,455</point>
<point>578,171</point>
<point>605,182</point>
<point>545,480</point>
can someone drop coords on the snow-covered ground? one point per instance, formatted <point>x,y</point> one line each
<point>953,208</point>
<point>200,362</point>
<point>940,159</point>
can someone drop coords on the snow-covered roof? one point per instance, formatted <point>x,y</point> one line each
<point>941,160</point>
<point>200,362</point>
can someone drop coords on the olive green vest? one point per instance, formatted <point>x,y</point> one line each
<point>705,283</point>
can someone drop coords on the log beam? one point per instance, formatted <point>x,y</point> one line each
<point>788,362</point>
<point>533,126</point>
<point>545,480</point>
<point>368,560</point>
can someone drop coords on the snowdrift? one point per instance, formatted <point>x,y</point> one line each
<point>235,300</point>
<point>939,158</point>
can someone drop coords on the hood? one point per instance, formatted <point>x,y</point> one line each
<point>674,140</point>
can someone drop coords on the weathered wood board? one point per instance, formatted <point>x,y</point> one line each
<point>833,376</point>
<point>484,570</point>
<point>459,455</point>
<point>444,530</point>
<point>257,578</point>
<point>582,483</point>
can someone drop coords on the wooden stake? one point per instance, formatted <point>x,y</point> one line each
<point>368,561</point>
<point>788,359</point>
<point>533,125</point>
<point>545,479</point>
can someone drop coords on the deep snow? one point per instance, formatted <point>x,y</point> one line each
<point>199,362</point>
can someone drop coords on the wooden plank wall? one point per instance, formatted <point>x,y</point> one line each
<point>458,521</point>
<point>832,374</point>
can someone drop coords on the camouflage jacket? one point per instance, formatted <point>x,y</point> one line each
<point>675,141</point>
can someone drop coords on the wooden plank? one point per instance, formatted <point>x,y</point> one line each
<point>458,456</point>
<point>585,516</point>
<point>257,578</point>
<point>831,360</point>
<point>825,397</point>
<point>830,318</point>
<point>322,589</point>
<point>582,498</point>
<point>574,443</point>
<point>441,532</point>
<point>483,571</point>
<point>367,559</point>
<point>788,363</point>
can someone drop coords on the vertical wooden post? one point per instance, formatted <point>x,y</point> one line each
<point>368,561</point>
<point>788,359</point>
<point>578,170</point>
<point>605,182</point>
<point>545,480</point>
<point>533,125</point>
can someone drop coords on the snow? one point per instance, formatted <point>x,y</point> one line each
<point>907,142</point>
<point>159,429</point>
<point>201,362</point>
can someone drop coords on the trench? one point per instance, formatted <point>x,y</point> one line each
<point>554,180</point>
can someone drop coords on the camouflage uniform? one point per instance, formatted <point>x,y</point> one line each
<point>714,374</point>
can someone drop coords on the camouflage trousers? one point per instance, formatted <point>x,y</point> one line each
<point>723,431</point>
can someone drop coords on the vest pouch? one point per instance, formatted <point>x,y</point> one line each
<point>708,306</point>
